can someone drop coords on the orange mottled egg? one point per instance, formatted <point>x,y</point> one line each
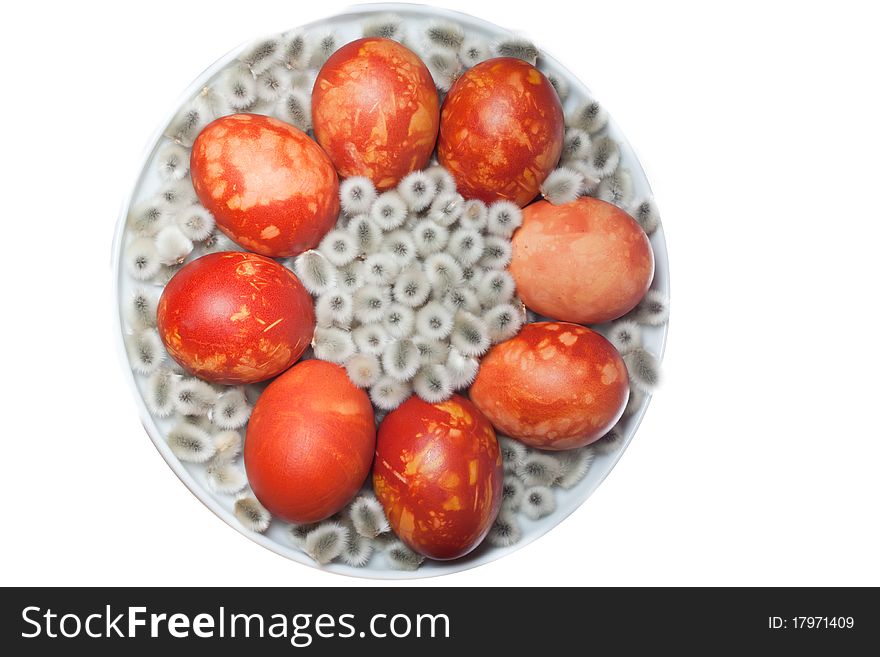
<point>375,110</point>
<point>501,131</point>
<point>310,442</point>
<point>554,386</point>
<point>235,318</point>
<point>586,261</point>
<point>269,186</point>
<point>438,475</point>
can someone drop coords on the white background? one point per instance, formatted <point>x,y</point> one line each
<point>759,459</point>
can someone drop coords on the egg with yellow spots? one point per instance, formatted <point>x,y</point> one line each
<point>586,261</point>
<point>501,131</point>
<point>438,474</point>
<point>235,318</point>
<point>310,442</point>
<point>376,111</point>
<point>553,386</point>
<point>269,186</point>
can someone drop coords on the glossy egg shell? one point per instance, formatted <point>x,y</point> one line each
<point>310,442</point>
<point>554,386</point>
<point>586,261</point>
<point>438,474</point>
<point>235,318</point>
<point>375,110</point>
<point>501,131</point>
<point>269,186</point>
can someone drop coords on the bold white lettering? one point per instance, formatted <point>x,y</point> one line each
<point>203,626</point>
<point>155,619</point>
<point>178,626</point>
<point>134,621</point>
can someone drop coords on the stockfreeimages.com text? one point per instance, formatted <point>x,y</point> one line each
<point>299,629</point>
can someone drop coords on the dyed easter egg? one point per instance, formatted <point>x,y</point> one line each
<point>554,386</point>
<point>375,111</point>
<point>438,475</point>
<point>501,131</point>
<point>235,318</point>
<point>269,186</point>
<point>586,261</point>
<point>310,442</point>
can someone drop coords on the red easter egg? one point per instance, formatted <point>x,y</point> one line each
<point>310,442</point>
<point>501,131</point>
<point>586,261</point>
<point>438,475</point>
<point>235,318</point>
<point>269,186</point>
<point>554,386</point>
<point>375,110</point>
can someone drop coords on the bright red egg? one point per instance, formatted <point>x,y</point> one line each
<point>438,474</point>
<point>375,110</point>
<point>501,131</point>
<point>269,186</point>
<point>586,261</point>
<point>310,442</point>
<point>235,318</point>
<point>554,386</point>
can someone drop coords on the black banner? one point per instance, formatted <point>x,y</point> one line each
<point>434,621</point>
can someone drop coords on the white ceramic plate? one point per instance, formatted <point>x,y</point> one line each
<point>348,27</point>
